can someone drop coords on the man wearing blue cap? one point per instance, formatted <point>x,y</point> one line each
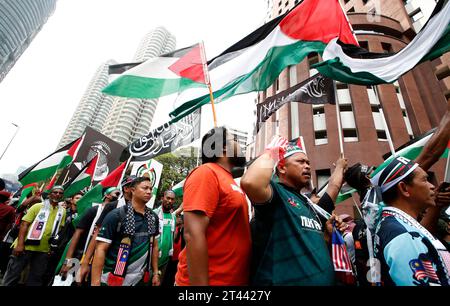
<point>41,223</point>
<point>409,254</point>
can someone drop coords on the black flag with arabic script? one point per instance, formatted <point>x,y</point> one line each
<point>318,89</point>
<point>165,138</point>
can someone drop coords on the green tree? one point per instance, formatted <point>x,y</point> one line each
<point>176,167</point>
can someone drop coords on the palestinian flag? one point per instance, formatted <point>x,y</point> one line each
<point>411,150</point>
<point>344,194</point>
<point>178,188</point>
<point>95,195</point>
<point>26,190</point>
<point>350,64</point>
<point>82,180</point>
<point>160,76</point>
<point>46,168</point>
<point>254,63</point>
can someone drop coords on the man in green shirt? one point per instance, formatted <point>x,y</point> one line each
<point>41,223</point>
<point>167,223</point>
<point>289,242</point>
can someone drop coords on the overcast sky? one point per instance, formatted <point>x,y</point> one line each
<point>44,87</point>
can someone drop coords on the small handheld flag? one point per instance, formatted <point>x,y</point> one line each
<point>341,260</point>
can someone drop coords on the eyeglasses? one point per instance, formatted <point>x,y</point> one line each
<point>57,192</point>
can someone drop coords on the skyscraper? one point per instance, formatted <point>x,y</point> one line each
<point>130,119</point>
<point>93,107</point>
<point>121,119</point>
<point>20,21</point>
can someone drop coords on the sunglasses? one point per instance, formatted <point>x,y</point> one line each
<point>57,192</point>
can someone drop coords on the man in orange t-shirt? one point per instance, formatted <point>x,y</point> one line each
<point>217,230</point>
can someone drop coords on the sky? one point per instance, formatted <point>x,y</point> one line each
<point>44,87</point>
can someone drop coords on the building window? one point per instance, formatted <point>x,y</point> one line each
<point>350,135</point>
<point>279,4</point>
<point>365,1</point>
<point>279,11</point>
<point>323,175</point>
<point>286,3</point>
<point>416,15</point>
<point>443,73</point>
<point>351,10</point>
<point>364,45</point>
<point>381,135</point>
<point>313,58</point>
<point>320,137</point>
<point>296,2</point>
<point>292,75</point>
<point>387,48</point>
<point>319,110</point>
<point>403,108</point>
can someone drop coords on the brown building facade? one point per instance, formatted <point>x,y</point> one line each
<point>412,105</point>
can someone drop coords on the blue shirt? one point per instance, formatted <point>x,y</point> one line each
<point>407,256</point>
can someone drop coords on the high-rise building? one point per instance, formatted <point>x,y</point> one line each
<point>121,119</point>
<point>413,104</point>
<point>93,107</point>
<point>130,119</point>
<point>20,21</point>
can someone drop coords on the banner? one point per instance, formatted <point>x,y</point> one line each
<point>315,90</point>
<point>94,143</point>
<point>151,169</point>
<point>166,138</point>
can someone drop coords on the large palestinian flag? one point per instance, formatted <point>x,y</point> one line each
<point>160,76</point>
<point>46,168</point>
<point>95,195</point>
<point>254,63</point>
<point>350,64</point>
<point>82,180</point>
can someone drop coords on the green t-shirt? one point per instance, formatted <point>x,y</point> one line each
<point>288,243</point>
<point>165,239</point>
<point>30,216</point>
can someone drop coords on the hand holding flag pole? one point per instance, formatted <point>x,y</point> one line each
<point>207,80</point>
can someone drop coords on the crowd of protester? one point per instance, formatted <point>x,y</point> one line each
<point>269,229</point>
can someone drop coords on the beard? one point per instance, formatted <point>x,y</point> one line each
<point>238,161</point>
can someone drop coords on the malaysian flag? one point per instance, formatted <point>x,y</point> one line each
<point>423,269</point>
<point>341,260</point>
<point>36,232</point>
<point>122,258</point>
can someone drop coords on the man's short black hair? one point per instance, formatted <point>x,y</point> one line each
<point>139,180</point>
<point>214,136</point>
<point>392,193</point>
<point>169,191</point>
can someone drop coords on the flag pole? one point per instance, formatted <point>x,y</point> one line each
<point>338,117</point>
<point>386,127</point>
<point>124,171</point>
<point>208,81</point>
<point>447,167</point>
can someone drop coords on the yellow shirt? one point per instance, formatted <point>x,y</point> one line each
<point>30,216</point>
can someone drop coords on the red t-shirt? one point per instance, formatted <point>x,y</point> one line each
<point>212,190</point>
